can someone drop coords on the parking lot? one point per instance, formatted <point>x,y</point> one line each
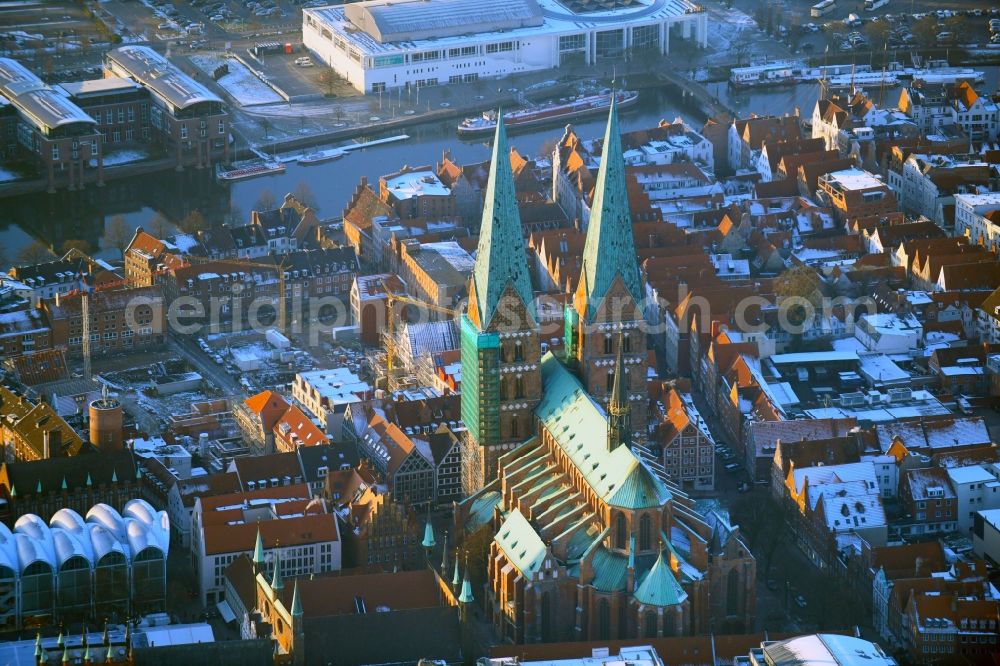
<point>864,32</point>
<point>900,26</point>
<point>53,36</point>
<point>298,82</point>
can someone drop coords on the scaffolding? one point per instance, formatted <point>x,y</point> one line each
<point>480,400</point>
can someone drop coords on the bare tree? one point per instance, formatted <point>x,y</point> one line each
<point>265,201</point>
<point>235,214</point>
<point>77,244</point>
<point>34,252</point>
<point>926,30</point>
<point>194,221</point>
<point>304,194</point>
<point>160,226</point>
<point>878,33</point>
<point>118,235</point>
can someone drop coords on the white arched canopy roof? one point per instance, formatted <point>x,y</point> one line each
<point>34,541</point>
<point>104,542</point>
<point>107,517</point>
<point>104,531</point>
<point>156,524</point>
<point>71,536</point>
<point>8,549</point>
<point>69,545</point>
<point>30,551</point>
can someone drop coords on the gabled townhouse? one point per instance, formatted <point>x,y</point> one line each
<point>885,238</point>
<point>687,445</point>
<point>928,184</point>
<point>58,277</point>
<point>929,503</point>
<point>778,447</point>
<point>747,135</point>
<point>835,507</point>
<point>892,569</point>
<point>951,629</point>
<point>977,217</point>
<point>773,151</point>
<point>405,465</point>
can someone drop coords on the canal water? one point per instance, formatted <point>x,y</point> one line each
<point>85,215</point>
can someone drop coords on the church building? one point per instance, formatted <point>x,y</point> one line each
<point>591,540</point>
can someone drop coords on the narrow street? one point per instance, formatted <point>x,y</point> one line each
<point>216,375</point>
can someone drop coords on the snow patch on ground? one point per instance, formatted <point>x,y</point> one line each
<point>6,176</point>
<point>242,85</point>
<point>124,157</point>
<point>726,27</point>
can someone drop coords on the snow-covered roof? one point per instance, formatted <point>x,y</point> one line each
<point>820,475</point>
<point>881,368</point>
<point>854,179</point>
<point>826,649</point>
<point>160,76</point>
<point>849,506</point>
<point>557,17</point>
<point>969,474</point>
<point>940,433</point>
<point>887,323</point>
<point>416,184</point>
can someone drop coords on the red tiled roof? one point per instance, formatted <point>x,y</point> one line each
<point>296,423</point>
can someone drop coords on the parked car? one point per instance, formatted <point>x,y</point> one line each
<point>801,602</point>
<point>732,467</point>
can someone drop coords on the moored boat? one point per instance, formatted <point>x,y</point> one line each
<point>552,112</point>
<point>767,75</point>
<point>321,156</point>
<point>250,171</point>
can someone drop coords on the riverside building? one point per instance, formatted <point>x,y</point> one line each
<point>380,45</point>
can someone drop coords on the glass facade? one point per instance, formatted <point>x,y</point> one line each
<point>37,590</point>
<point>610,43</point>
<point>8,598</point>
<point>646,37</point>
<point>111,585</point>
<point>149,581</point>
<point>74,591</point>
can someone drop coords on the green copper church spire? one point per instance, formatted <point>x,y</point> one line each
<point>276,582</point>
<point>296,601</point>
<point>609,251</point>
<point>500,258</point>
<point>258,553</point>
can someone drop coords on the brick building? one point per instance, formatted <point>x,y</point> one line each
<point>187,119</point>
<point>56,133</point>
<point>122,321</point>
<point>855,193</point>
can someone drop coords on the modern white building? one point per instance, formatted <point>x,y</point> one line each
<point>286,521</point>
<point>977,217</point>
<point>889,333</point>
<point>326,393</point>
<point>976,489</point>
<point>108,563</point>
<point>382,45</point>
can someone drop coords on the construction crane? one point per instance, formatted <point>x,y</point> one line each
<point>393,298</point>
